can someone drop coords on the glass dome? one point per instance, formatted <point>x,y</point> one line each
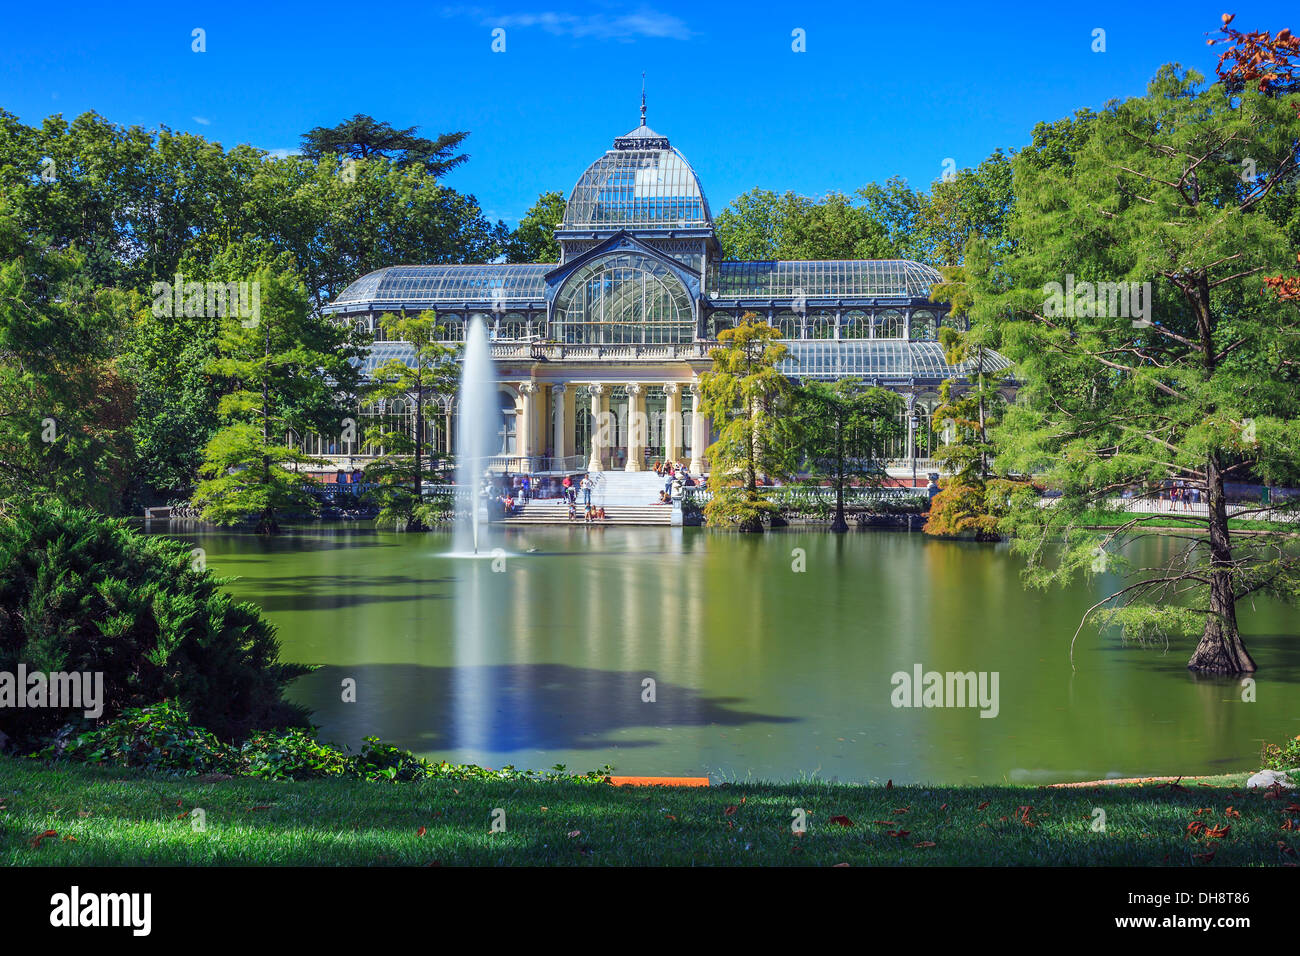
<point>641,183</point>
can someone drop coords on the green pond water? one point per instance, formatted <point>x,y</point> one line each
<point>759,671</point>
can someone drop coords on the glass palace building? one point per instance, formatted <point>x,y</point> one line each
<point>624,322</point>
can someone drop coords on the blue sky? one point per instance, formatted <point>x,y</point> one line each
<point>878,92</point>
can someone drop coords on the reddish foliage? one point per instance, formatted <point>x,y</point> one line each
<point>1265,59</point>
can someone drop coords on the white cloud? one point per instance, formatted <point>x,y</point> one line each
<point>202,120</point>
<point>645,23</point>
<point>280,152</point>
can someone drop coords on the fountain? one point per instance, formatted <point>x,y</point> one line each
<point>478,431</point>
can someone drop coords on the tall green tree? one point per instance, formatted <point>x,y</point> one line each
<point>65,407</point>
<point>844,429</point>
<point>1192,378</point>
<point>749,402</point>
<point>364,137</point>
<point>288,371</point>
<point>534,239</point>
<point>432,372</point>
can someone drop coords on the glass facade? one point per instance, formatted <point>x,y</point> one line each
<point>624,299</point>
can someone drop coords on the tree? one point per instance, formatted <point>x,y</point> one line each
<point>844,428</point>
<point>432,372</point>
<point>1131,305</point>
<point>65,407</point>
<point>364,137</point>
<point>289,371</point>
<point>83,593</point>
<point>534,239</point>
<point>748,400</point>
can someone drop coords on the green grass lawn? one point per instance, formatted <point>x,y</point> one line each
<point>1113,519</point>
<point>110,816</point>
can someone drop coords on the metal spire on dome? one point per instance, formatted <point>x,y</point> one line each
<point>643,137</point>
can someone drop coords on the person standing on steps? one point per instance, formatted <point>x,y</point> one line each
<point>586,490</point>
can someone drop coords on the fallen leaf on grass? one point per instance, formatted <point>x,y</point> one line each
<point>1217,833</point>
<point>901,834</point>
<point>924,845</point>
<point>574,834</point>
<point>730,810</point>
<point>842,821</point>
<point>1236,813</point>
<point>1196,827</point>
<point>983,806</point>
<point>36,841</point>
<point>421,832</point>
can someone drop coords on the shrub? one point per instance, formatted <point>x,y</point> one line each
<point>84,593</point>
<point>972,509</point>
<point>161,738</point>
<point>1282,757</point>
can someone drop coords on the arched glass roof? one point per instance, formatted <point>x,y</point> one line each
<point>879,358</point>
<point>419,285</point>
<point>643,183</point>
<point>828,278</point>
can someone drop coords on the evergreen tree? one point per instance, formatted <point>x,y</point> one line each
<point>749,402</point>
<point>432,373</point>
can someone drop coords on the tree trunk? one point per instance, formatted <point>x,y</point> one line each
<point>1221,650</point>
<point>415,523</point>
<point>839,525</point>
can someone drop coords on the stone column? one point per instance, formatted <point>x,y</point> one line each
<point>524,433</point>
<point>636,427</point>
<point>672,425</point>
<point>599,425</point>
<point>559,441</point>
<point>699,433</point>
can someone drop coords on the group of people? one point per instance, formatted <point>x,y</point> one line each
<point>672,472</point>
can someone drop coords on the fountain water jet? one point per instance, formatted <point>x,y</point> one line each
<point>479,413</point>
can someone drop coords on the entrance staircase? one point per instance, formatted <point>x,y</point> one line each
<point>628,497</point>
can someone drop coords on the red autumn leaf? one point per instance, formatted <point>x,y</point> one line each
<point>1289,824</point>
<point>924,844</point>
<point>1219,832</point>
<point>898,810</point>
<point>36,842</point>
<point>842,821</point>
<point>1292,808</point>
<point>901,834</point>
<point>1236,813</point>
<point>1195,827</point>
<point>730,810</point>
<point>421,832</point>
<point>983,806</point>
<point>70,838</point>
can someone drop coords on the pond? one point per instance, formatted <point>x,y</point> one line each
<point>757,670</point>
